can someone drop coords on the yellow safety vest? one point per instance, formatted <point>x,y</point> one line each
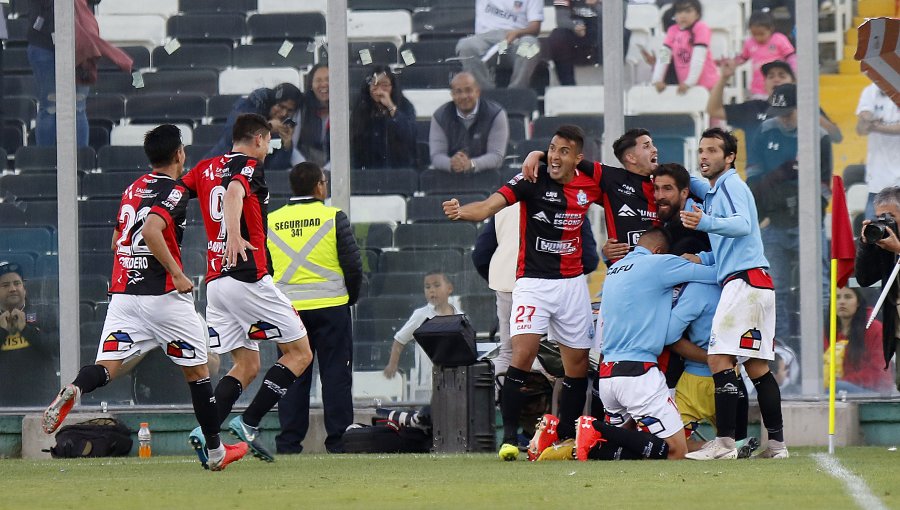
<point>303,246</point>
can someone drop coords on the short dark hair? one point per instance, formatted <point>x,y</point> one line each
<point>438,272</point>
<point>627,141</point>
<point>761,19</point>
<point>572,133</point>
<point>729,141</point>
<point>248,125</point>
<point>675,171</point>
<point>683,5</point>
<point>304,178</point>
<point>656,234</point>
<point>161,145</point>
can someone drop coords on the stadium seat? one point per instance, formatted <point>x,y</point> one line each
<point>262,54</point>
<point>40,240</point>
<point>387,307</point>
<point>643,18</point>
<point>18,30</point>
<point>377,209</point>
<point>108,185</point>
<point>98,212</point>
<point>96,263</point>
<point>163,108</point>
<point>23,257</point>
<point>95,239</point>
<point>194,261</point>
<point>439,181</point>
<point>428,76</point>
<point>375,236</point>
<point>106,107</point>
<point>291,6</point>
<point>29,186</point>
<point>125,158</point>
<point>406,261</point>
<point>523,102</point>
<point>194,237</point>
<point>20,108</point>
<point>235,6</point>
<point>293,26</point>
<point>113,82</point>
<point>207,27</point>
<point>208,134</point>
<point>369,260</point>
<point>47,265</point>
<point>663,124</point>
<point>394,26</point>
<point>426,101</point>
<point>133,134</point>
<point>428,208</point>
<point>429,51</point>
<point>15,60</point>
<point>396,284</point>
<point>12,137</point>
<point>219,107</point>
<point>139,54</point>
<point>444,22</point>
<point>35,159</point>
<point>435,235</point>
<point>164,8</point>
<point>371,384</point>
<point>182,81</point>
<point>194,56</point>
<point>383,5</point>
<point>245,81</point>
<point>39,212</point>
<point>854,174</point>
<point>643,99</point>
<point>153,381</point>
<point>573,100</point>
<point>378,52</point>
<point>547,126</point>
<point>481,309</point>
<point>400,181</point>
<point>195,153</point>
<point>139,29</point>
<point>857,195</point>
<point>13,215</point>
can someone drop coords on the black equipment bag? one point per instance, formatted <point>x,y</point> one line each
<point>100,437</point>
<point>449,340</point>
<point>386,436</point>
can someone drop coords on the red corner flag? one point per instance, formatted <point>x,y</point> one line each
<point>842,247</point>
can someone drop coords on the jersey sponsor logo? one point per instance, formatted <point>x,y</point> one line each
<point>552,196</point>
<point>518,177</point>
<point>542,216</point>
<point>566,247</point>
<point>626,211</point>
<point>172,200</point>
<point>144,193</point>
<point>180,349</point>
<point>214,340</point>
<point>568,221</point>
<point>620,269</point>
<point>751,340</point>
<point>634,236</point>
<point>117,341</point>
<point>627,189</point>
<point>263,330</point>
<point>247,171</point>
<point>134,276</point>
<point>581,198</point>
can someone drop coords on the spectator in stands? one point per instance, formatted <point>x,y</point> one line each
<point>686,48</point>
<point>469,133</point>
<point>438,289</point>
<point>749,115</point>
<point>28,355</point>
<point>578,37</point>
<point>277,105</point>
<point>383,123</point>
<point>312,136</point>
<point>41,55</point>
<point>858,350</point>
<point>772,176</point>
<point>503,26</point>
<point>878,117</point>
<point>763,46</point>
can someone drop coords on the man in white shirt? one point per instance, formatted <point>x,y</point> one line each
<point>503,26</point>
<point>879,118</point>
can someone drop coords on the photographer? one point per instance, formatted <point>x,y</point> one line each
<point>876,255</point>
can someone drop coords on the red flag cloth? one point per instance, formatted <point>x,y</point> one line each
<point>842,247</point>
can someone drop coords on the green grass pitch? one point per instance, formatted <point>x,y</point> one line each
<point>445,481</point>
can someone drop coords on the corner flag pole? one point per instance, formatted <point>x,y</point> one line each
<point>832,340</point>
<point>884,291</point>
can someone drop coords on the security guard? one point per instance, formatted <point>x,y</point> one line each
<point>317,265</point>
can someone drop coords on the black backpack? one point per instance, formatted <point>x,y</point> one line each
<point>100,437</point>
<point>386,436</point>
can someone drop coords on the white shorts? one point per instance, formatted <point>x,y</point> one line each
<point>242,314</point>
<point>645,398</point>
<point>560,308</point>
<point>744,323</point>
<point>136,324</point>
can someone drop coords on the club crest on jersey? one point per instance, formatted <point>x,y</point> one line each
<point>214,340</point>
<point>247,171</point>
<point>180,349</point>
<point>117,341</point>
<point>263,330</point>
<point>581,198</point>
<point>172,200</point>
<point>751,340</point>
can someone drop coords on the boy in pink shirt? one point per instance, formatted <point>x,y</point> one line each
<point>763,46</point>
<point>686,47</point>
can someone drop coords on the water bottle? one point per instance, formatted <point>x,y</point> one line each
<point>144,451</point>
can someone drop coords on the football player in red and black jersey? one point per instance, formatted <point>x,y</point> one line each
<point>243,305</point>
<point>151,304</point>
<point>551,294</point>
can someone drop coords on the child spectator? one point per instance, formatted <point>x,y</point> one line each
<point>438,289</point>
<point>686,47</point>
<point>763,46</point>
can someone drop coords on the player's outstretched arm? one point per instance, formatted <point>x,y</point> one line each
<point>475,211</point>
<point>235,245</point>
<point>153,236</point>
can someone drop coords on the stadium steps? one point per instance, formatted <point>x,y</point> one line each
<point>839,93</point>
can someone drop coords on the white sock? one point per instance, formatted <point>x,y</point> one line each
<point>217,455</point>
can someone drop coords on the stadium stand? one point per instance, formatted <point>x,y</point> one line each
<point>193,56</point>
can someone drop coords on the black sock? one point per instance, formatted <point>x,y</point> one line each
<point>597,409</point>
<point>511,399</point>
<point>276,383</point>
<point>205,410</point>
<point>769,397</point>
<point>610,451</point>
<point>642,444</point>
<point>743,412</point>
<point>571,404</point>
<point>228,391</point>
<point>91,377</point>
<point>726,396</point>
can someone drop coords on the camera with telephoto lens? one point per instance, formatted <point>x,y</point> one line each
<point>877,229</point>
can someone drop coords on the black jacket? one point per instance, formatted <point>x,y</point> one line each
<point>874,264</point>
<point>348,256</point>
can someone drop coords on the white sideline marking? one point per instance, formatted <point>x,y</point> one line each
<point>857,487</point>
